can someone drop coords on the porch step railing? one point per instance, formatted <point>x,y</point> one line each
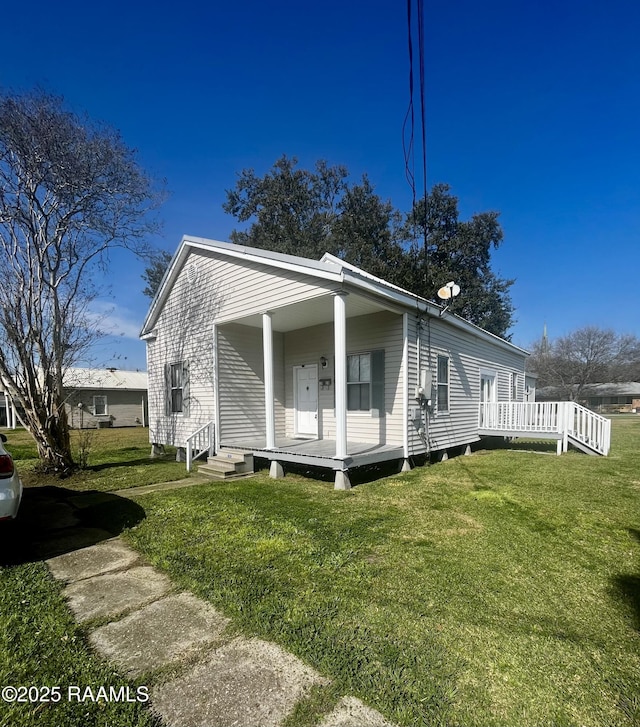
<point>200,443</point>
<point>570,422</point>
<point>585,427</point>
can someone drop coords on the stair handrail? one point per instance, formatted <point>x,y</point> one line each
<point>588,427</point>
<point>201,441</point>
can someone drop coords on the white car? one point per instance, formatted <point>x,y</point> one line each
<point>10,484</point>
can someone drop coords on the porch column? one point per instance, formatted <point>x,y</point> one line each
<point>406,465</point>
<point>269,408</point>
<point>340,348</point>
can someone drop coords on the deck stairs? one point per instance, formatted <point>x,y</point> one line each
<point>227,464</point>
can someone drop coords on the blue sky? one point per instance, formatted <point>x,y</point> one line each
<point>533,110</point>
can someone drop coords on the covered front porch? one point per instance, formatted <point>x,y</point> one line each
<point>282,384</point>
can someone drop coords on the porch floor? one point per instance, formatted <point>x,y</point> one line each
<point>318,452</point>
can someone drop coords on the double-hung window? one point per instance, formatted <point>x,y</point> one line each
<point>359,382</point>
<point>443,383</point>
<point>176,384</point>
<point>513,386</point>
<point>99,406</point>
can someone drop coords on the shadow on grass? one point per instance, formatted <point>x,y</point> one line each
<point>627,587</point>
<point>541,446</point>
<point>54,520</point>
<point>146,461</point>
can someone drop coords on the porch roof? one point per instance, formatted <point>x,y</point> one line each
<point>311,312</point>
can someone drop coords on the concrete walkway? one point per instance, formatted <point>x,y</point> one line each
<point>200,674</point>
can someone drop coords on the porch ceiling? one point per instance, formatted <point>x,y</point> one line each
<point>312,312</point>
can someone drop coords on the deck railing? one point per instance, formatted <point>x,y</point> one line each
<point>589,428</point>
<point>522,416</point>
<point>201,442</point>
<point>568,420</point>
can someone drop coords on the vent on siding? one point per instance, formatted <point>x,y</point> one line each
<point>192,273</point>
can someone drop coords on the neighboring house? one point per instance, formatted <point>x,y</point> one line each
<point>318,363</point>
<point>106,398</point>
<point>605,398</point>
<point>8,414</point>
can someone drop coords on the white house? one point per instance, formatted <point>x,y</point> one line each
<point>317,362</point>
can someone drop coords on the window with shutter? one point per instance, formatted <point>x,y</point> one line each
<point>365,382</point>
<point>177,376</point>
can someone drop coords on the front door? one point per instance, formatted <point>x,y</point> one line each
<point>487,396</point>
<point>306,400</point>
<point>487,387</point>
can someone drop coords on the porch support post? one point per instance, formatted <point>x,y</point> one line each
<point>406,465</point>
<point>275,470</point>
<point>340,348</point>
<point>269,408</point>
<point>216,390</point>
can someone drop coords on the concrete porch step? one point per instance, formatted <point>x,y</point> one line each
<point>227,464</point>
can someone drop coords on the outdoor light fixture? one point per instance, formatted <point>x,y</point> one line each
<point>323,362</point>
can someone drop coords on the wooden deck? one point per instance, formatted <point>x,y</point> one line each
<point>565,421</point>
<point>318,452</point>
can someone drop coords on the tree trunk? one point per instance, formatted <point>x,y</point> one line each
<point>52,437</point>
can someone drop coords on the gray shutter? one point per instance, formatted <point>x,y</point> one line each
<point>377,383</point>
<point>167,389</point>
<point>186,403</point>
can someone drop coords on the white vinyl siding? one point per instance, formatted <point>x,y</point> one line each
<point>218,289</point>
<point>467,354</point>
<point>241,384</point>
<point>377,332</point>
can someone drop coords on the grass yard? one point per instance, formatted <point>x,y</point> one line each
<point>497,589</point>
<point>118,458</point>
<point>40,645</point>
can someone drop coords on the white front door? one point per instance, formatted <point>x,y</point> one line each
<point>305,387</point>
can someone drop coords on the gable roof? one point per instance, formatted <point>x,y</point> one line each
<point>329,267</point>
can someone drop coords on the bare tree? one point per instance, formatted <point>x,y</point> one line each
<point>70,191</point>
<point>589,355</point>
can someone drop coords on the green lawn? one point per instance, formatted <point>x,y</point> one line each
<point>497,589</point>
<point>40,643</point>
<point>117,459</point>
<point>41,646</point>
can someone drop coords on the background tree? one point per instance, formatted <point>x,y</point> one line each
<point>309,213</point>
<point>154,272</point>
<point>589,355</point>
<point>459,251</point>
<point>365,231</point>
<point>294,209</point>
<point>70,191</point>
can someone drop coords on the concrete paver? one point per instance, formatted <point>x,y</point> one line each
<point>351,712</point>
<point>246,682</point>
<point>114,593</point>
<point>105,557</point>
<point>220,683</point>
<point>160,633</point>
